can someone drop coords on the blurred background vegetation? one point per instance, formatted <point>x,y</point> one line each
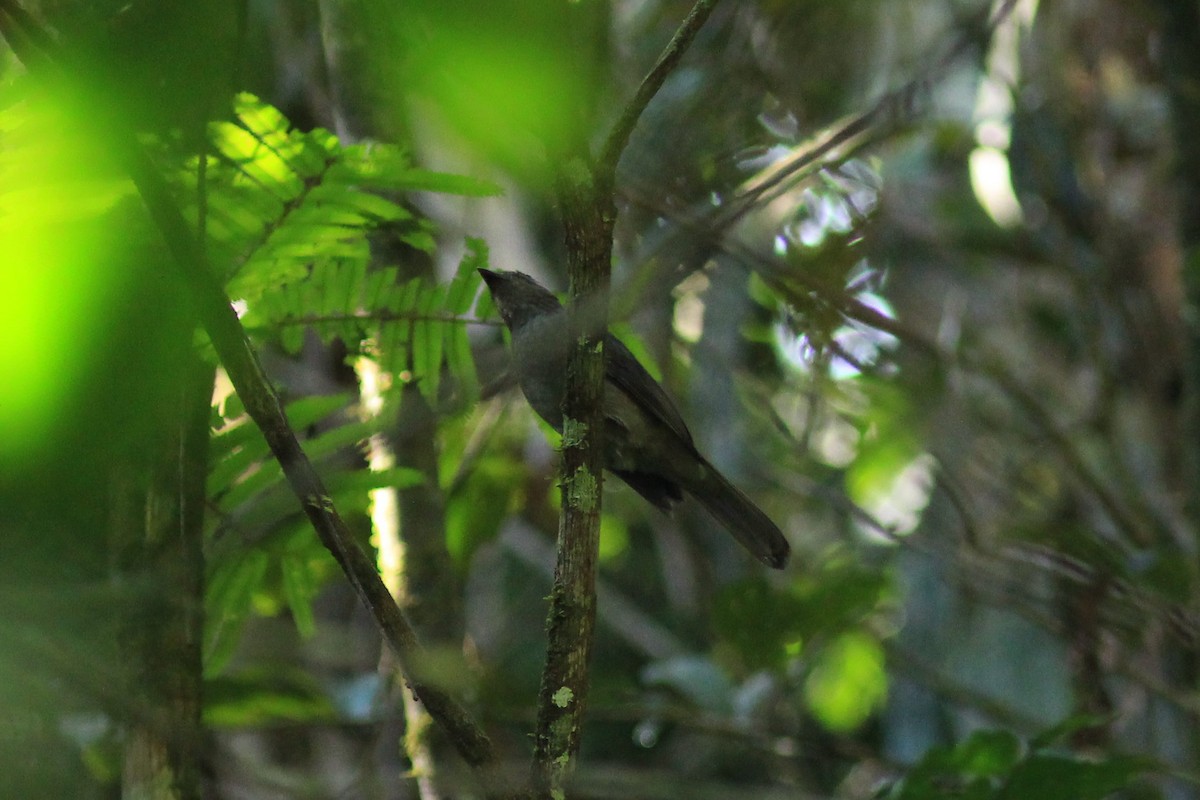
<point>920,274</point>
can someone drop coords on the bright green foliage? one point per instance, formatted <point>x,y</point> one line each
<point>288,218</point>
<point>515,79</point>
<point>848,683</point>
<point>889,443</point>
<point>412,326</point>
<point>59,198</point>
<point>281,205</point>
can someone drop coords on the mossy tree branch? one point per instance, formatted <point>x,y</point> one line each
<point>585,194</point>
<point>588,215</point>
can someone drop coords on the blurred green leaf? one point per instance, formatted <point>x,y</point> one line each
<point>986,754</point>
<point>1066,729</point>
<point>227,604</point>
<point>299,588</point>
<point>848,682</point>
<point>1044,776</point>
<point>758,621</point>
<point>476,510</point>
<point>258,696</point>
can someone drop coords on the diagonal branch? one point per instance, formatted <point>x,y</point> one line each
<point>263,405</point>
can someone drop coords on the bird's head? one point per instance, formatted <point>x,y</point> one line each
<point>518,297</point>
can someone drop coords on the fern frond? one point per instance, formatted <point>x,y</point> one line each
<point>284,204</point>
<point>417,327</point>
<point>287,223</point>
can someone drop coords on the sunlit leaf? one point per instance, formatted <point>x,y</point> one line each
<point>848,682</point>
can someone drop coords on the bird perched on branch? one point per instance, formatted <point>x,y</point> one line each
<point>647,444</point>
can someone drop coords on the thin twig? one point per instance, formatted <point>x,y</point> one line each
<point>618,138</point>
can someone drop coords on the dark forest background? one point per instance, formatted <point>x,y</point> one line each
<point>921,276</point>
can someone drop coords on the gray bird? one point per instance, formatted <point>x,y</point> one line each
<point>647,444</point>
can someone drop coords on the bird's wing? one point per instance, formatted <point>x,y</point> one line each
<point>627,374</point>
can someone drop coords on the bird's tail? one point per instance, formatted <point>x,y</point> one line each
<point>746,521</point>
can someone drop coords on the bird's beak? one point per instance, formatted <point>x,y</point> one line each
<point>489,277</point>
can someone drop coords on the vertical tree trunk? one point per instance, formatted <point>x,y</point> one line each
<point>157,536</point>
